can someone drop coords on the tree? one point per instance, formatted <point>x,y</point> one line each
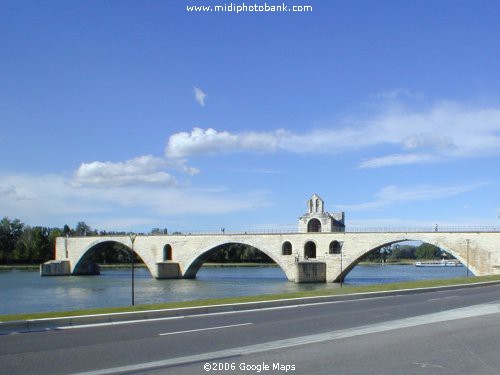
<point>83,229</point>
<point>157,231</point>
<point>67,230</point>
<point>10,232</point>
<point>32,246</point>
<point>427,251</point>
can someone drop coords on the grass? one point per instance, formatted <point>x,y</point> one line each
<point>268,297</point>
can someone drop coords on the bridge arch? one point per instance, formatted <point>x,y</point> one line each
<point>194,264</point>
<point>358,257</point>
<point>310,249</point>
<point>286,248</point>
<point>335,247</point>
<point>82,261</point>
<point>167,252</point>
<point>314,225</point>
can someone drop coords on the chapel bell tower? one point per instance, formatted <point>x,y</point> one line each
<point>317,220</point>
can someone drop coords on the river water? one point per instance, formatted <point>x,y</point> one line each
<point>26,291</point>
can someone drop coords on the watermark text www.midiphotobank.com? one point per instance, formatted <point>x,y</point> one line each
<point>249,8</point>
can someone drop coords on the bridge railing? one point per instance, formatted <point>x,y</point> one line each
<point>430,229</point>
<point>444,229</point>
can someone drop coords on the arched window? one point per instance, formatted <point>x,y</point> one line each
<point>167,252</point>
<point>310,250</point>
<point>335,247</point>
<point>314,225</point>
<point>317,205</point>
<point>286,249</point>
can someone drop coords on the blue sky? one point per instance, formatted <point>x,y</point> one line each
<point>131,115</point>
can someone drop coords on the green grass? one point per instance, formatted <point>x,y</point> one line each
<point>267,297</point>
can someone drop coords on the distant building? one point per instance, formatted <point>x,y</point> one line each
<point>317,220</point>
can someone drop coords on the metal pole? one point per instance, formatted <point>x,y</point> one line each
<point>467,257</point>
<point>341,256</point>
<point>132,239</point>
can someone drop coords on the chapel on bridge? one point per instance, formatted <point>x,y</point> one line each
<point>317,220</point>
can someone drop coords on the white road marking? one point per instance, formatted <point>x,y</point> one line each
<point>120,323</point>
<point>424,365</point>
<point>441,298</point>
<point>210,314</point>
<point>203,329</point>
<point>461,313</point>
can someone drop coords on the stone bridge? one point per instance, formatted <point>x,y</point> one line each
<point>181,256</point>
<point>321,250</point>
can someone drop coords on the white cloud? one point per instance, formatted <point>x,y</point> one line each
<point>11,192</point>
<point>143,170</point>
<point>199,96</point>
<point>396,159</point>
<point>48,199</point>
<point>446,131</point>
<point>38,199</point>
<point>211,141</point>
<point>393,194</point>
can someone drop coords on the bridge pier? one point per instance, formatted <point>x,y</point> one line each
<point>168,270</point>
<point>310,272</point>
<point>55,268</point>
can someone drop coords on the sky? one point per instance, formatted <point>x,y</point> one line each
<point>133,115</point>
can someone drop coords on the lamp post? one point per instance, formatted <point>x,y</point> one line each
<point>341,256</point>
<point>467,256</point>
<point>132,237</point>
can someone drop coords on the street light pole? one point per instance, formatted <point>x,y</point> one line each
<point>467,257</point>
<point>132,237</point>
<point>341,267</point>
<point>341,244</point>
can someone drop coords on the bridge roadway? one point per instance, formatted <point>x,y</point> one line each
<point>385,335</point>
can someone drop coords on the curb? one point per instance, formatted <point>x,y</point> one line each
<point>48,324</point>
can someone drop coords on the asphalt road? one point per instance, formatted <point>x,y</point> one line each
<point>446,332</point>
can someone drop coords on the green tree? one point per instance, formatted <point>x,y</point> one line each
<point>427,251</point>
<point>32,246</point>
<point>10,232</point>
<point>82,229</point>
<point>67,230</point>
<point>158,231</point>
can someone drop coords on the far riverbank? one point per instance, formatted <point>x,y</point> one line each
<point>32,267</point>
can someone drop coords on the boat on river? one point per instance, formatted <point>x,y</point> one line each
<point>439,263</point>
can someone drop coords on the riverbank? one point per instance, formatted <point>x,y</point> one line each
<point>26,267</point>
<point>140,265</point>
<point>392,262</point>
<point>259,298</point>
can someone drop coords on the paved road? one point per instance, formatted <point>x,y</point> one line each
<point>447,332</point>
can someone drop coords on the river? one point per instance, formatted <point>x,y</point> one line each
<point>26,291</point>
